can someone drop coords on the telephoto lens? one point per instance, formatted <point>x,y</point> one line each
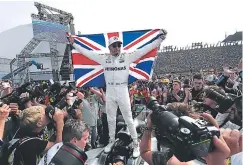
<point>187,138</point>
<point>69,154</point>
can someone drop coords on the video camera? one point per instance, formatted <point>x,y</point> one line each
<point>187,138</point>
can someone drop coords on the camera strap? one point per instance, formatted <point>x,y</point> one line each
<point>45,159</point>
<point>225,121</point>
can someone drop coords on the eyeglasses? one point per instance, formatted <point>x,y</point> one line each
<point>116,45</point>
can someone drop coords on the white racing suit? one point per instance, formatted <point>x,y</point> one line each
<point>116,72</point>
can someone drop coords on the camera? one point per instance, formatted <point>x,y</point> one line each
<point>122,148</point>
<point>187,138</point>
<point>13,97</point>
<point>69,154</point>
<point>224,102</point>
<point>50,110</point>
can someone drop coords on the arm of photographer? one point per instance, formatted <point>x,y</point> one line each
<point>59,121</point>
<point>4,112</point>
<point>97,92</point>
<point>217,157</point>
<point>151,157</point>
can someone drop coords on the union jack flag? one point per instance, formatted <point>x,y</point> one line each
<point>88,73</point>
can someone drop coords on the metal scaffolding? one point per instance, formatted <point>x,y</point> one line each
<point>50,14</point>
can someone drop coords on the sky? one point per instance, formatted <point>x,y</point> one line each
<point>186,21</point>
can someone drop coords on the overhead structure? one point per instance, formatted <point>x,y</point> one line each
<point>51,15</point>
<point>21,68</point>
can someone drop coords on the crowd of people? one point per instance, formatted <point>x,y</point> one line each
<point>37,125</point>
<point>213,57</point>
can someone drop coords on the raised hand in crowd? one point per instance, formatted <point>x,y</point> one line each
<point>80,95</point>
<point>78,114</point>
<point>58,116</point>
<point>14,108</point>
<point>4,111</point>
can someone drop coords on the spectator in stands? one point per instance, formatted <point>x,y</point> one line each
<point>187,60</point>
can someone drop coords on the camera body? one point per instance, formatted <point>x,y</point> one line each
<point>13,97</point>
<point>69,154</point>
<point>122,149</point>
<point>186,137</point>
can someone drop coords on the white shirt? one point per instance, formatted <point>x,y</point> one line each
<point>50,153</point>
<point>237,159</point>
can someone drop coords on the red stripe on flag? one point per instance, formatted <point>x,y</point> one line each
<point>140,39</point>
<point>88,44</point>
<point>113,34</point>
<point>152,53</point>
<point>79,59</point>
<point>90,77</point>
<point>139,72</point>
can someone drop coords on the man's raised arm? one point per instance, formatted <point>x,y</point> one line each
<point>146,49</point>
<point>90,54</point>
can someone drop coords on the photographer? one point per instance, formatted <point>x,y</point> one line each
<point>217,157</point>
<point>229,115</point>
<point>25,101</point>
<point>11,122</point>
<point>75,132</point>
<point>229,84</point>
<point>176,94</point>
<point>90,112</point>
<point>104,133</point>
<point>4,112</point>
<point>5,88</point>
<point>29,146</point>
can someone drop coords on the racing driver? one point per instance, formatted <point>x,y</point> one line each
<point>116,72</point>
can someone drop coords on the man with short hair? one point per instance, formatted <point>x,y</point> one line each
<point>197,90</point>
<point>90,111</point>
<point>116,70</point>
<point>176,94</point>
<point>76,132</point>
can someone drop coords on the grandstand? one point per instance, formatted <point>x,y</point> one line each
<point>198,56</point>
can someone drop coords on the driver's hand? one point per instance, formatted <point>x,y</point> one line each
<point>71,40</point>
